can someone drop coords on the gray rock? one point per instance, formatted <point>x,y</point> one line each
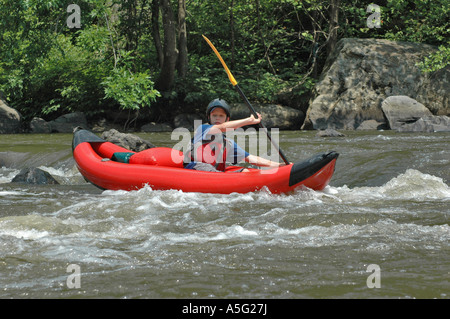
<point>129,141</point>
<point>361,73</point>
<point>38,125</point>
<point>403,109</point>
<point>434,91</point>
<point>34,176</point>
<point>63,124</point>
<point>430,123</point>
<point>10,118</point>
<point>329,133</point>
<point>372,125</point>
<point>66,123</point>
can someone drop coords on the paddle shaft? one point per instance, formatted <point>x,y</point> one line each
<point>261,125</point>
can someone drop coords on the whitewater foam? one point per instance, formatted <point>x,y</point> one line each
<point>411,185</point>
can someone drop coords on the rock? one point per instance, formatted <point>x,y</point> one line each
<point>294,97</point>
<point>10,118</point>
<point>156,127</point>
<point>66,123</point>
<point>434,91</point>
<point>129,141</point>
<point>329,133</point>
<point>34,176</point>
<point>63,124</point>
<point>38,125</point>
<point>431,123</point>
<point>361,73</point>
<point>403,109</point>
<point>274,115</point>
<point>372,125</point>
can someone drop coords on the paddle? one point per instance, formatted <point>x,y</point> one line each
<point>252,110</point>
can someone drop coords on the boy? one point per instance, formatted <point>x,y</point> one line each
<point>210,150</point>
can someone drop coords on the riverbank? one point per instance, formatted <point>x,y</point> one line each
<point>400,113</point>
<point>411,117</point>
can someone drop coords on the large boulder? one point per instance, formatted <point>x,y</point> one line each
<point>434,91</point>
<point>361,73</point>
<point>405,114</point>
<point>430,123</point>
<point>9,118</point>
<point>400,110</point>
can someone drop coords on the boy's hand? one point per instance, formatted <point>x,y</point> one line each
<point>253,120</point>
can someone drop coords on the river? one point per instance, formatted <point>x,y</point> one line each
<point>379,230</point>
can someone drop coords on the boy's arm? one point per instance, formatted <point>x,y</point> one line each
<point>251,120</point>
<point>260,161</point>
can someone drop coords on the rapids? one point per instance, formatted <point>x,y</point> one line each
<point>387,205</point>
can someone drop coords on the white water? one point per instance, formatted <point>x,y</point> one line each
<point>170,244</point>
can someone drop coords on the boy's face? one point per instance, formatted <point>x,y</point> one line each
<point>218,116</point>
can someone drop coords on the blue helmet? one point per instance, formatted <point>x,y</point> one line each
<point>218,103</point>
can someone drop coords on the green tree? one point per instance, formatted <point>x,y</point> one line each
<point>127,51</point>
<point>49,69</point>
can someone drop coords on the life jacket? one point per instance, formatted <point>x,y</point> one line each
<point>210,151</point>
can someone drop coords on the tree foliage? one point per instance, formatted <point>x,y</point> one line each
<point>149,54</point>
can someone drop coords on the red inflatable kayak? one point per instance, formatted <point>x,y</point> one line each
<point>161,168</point>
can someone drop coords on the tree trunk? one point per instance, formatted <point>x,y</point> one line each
<point>129,19</point>
<point>167,76</point>
<point>182,40</point>
<point>155,30</point>
<point>233,49</point>
<point>334,24</point>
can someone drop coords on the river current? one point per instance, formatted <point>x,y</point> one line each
<point>379,230</point>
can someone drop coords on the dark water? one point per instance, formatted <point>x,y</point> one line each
<point>383,223</point>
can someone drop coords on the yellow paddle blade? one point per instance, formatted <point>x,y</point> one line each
<point>230,76</point>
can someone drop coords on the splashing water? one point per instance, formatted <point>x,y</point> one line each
<point>170,244</point>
